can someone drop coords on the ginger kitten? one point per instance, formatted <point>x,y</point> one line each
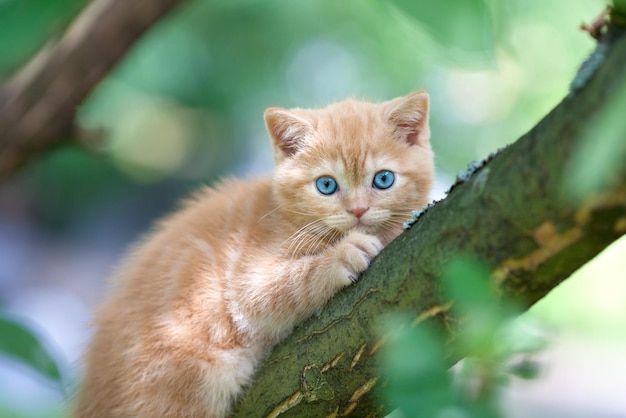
<point>203,299</point>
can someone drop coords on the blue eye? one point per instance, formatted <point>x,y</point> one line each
<point>383,179</point>
<point>326,185</point>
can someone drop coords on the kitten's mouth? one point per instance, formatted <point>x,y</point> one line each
<point>365,227</point>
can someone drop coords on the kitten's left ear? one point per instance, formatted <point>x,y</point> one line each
<point>289,132</point>
<point>409,117</point>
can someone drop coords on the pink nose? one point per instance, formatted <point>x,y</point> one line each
<point>358,212</point>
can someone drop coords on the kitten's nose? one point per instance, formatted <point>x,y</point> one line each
<point>358,212</point>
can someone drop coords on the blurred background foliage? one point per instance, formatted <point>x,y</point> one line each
<point>185,107</point>
<point>496,344</point>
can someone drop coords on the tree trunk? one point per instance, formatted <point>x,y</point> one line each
<point>512,212</point>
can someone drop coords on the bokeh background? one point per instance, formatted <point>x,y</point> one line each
<point>185,107</point>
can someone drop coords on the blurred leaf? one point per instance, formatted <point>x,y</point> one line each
<point>18,342</point>
<point>489,332</point>
<point>601,150</point>
<point>26,25</point>
<point>521,336</point>
<point>525,369</point>
<point>620,6</point>
<point>462,24</point>
<point>68,180</point>
<point>466,280</point>
<point>419,382</point>
<point>478,382</point>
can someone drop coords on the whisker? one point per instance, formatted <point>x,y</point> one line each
<point>312,236</point>
<point>294,238</point>
<point>297,212</point>
<point>270,212</point>
<point>331,237</point>
<point>305,236</point>
<point>322,234</point>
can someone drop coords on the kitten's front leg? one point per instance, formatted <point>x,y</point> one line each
<point>334,268</point>
<point>352,255</point>
<point>277,294</point>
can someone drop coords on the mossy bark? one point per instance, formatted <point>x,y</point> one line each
<point>512,213</point>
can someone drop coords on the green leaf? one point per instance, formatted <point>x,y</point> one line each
<point>26,25</point>
<point>620,6</point>
<point>419,382</point>
<point>599,156</point>
<point>521,336</point>
<point>525,369</point>
<point>19,342</point>
<point>465,25</point>
<point>466,282</point>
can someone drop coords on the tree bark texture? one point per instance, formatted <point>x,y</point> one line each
<point>38,105</point>
<point>511,213</point>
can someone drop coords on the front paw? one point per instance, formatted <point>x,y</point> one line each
<point>354,254</point>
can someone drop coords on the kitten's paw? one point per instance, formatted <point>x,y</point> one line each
<point>354,254</point>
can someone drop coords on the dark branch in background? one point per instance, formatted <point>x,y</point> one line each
<point>38,105</point>
<point>510,212</point>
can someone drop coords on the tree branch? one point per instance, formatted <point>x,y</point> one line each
<point>38,105</point>
<point>511,213</point>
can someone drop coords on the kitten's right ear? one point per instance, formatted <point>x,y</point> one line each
<point>409,116</point>
<point>288,131</point>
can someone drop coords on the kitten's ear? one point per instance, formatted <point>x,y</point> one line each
<point>288,131</point>
<point>409,117</point>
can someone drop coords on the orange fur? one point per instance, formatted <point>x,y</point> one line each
<point>198,304</point>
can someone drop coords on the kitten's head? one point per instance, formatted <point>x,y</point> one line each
<point>352,164</point>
